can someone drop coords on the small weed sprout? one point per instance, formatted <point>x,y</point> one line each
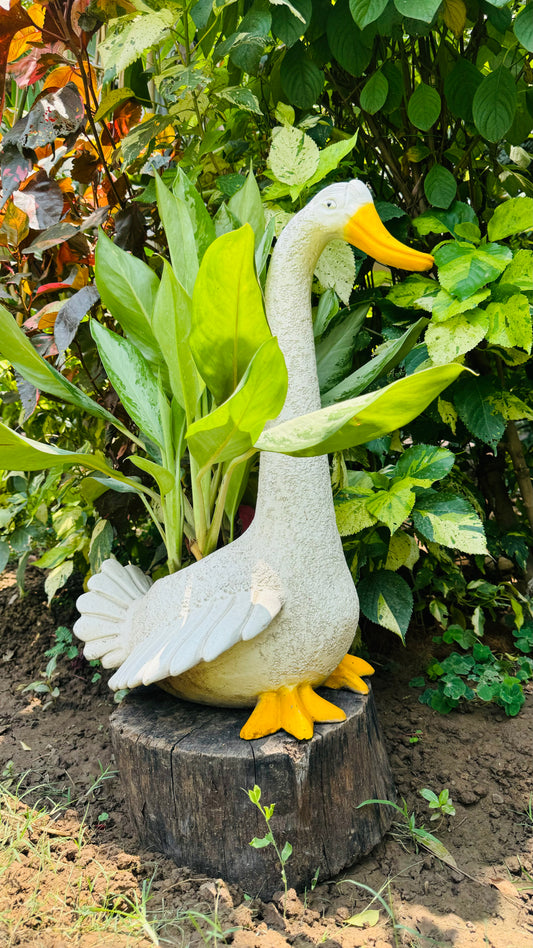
<point>269,839</point>
<point>442,803</point>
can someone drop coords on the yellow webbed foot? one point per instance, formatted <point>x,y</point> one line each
<point>348,675</point>
<point>290,709</point>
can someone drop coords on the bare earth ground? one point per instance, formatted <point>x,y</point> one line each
<point>84,863</point>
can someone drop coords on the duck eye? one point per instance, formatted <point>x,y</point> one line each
<point>330,204</point>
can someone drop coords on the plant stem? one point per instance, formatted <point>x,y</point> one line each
<point>523,476</point>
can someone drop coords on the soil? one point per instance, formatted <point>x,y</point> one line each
<point>60,761</point>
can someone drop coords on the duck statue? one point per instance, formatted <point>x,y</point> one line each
<point>263,621</point>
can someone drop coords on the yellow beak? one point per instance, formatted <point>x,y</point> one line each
<point>366,232</point>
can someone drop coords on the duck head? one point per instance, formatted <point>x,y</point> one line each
<point>347,211</point>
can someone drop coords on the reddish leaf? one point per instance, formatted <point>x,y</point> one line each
<point>42,200</point>
<point>15,225</point>
<point>85,166</point>
<point>64,231</point>
<point>11,21</point>
<point>35,64</point>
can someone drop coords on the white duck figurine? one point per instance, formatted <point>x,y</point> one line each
<point>264,621</point>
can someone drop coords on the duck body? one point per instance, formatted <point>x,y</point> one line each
<point>263,621</point>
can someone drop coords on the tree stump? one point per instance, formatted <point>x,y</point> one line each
<point>184,771</point>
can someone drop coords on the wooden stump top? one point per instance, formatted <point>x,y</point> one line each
<point>185,771</point>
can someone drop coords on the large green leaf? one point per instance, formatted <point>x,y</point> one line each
<point>494,104</point>
<point>475,399</point>
<point>202,223</point>
<point>444,517</point>
<point>440,187</point>
<point>301,78</point>
<point>390,356</point>
<point>132,378</point>
<point>351,47</point>
<point>361,419</point>
<point>459,334</point>
<point>128,289</point>
<point>365,12</point>
<point>18,350</point>
<point>232,428</point>
<point>523,27</point>
<point>460,87</point>
<point>334,352</point>
<point>179,231</point>
<point>229,322</point>
<point>24,454</point>
<point>423,10</point>
<point>247,206</point>
<point>424,106</point>
<point>510,322</point>
<point>511,217</point>
<point>438,222</point>
<point>424,463</point>
<point>386,600</point>
<point>374,93</point>
<point>289,27</point>
<point>463,269</point>
<point>171,324</point>
<point>392,506</point>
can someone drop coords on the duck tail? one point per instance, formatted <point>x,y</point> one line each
<point>104,608</point>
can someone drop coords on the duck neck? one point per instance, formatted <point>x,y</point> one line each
<point>294,494</point>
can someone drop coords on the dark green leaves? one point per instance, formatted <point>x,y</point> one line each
<point>351,47</point>
<point>301,78</point>
<point>494,104</point>
<point>444,517</point>
<point>286,25</point>
<point>386,599</point>
<point>460,86</point>
<point>423,9</point>
<point>424,106</point>
<point>523,27</point>
<point>374,93</point>
<point>440,187</point>
<point>474,398</point>
<point>463,269</point>
<point>366,11</point>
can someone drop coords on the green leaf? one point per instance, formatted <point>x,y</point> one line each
<point>101,544</point>
<point>460,88</point>
<point>132,378</point>
<point>463,269</point>
<point>328,159</point>
<point>242,98</point>
<point>203,226</point>
<point>293,156</point>
<point>494,104</point>
<point>403,551</point>
<point>424,464</point>
<point>440,187</point>
<point>510,323</point>
<point>411,291</point>
<point>369,917</point>
<point>424,10</point>
<point>392,506</point>
<point>288,27</point>
<point>350,508</point>
<point>247,206</point>
<point>4,555</point>
<point>24,454</point>
<point>365,12</point>
<point>374,93</point>
<point>424,106</point>
<point>361,419</point>
<point>57,578</point>
<point>232,428</point>
<point>472,398</point>
<point>164,478</point>
<point>519,271</point>
<point>444,517</point>
<point>128,288</point>
<point>179,231</point>
<point>459,334</point>
<point>335,269</point>
<point>438,222</point>
<point>351,47</point>
<point>389,357</point>
<point>229,322</point>
<point>523,27</point>
<point>128,37</point>
<point>513,216</point>
<point>387,600</point>
<point>254,29</point>
<point>172,325</point>
<point>334,352</point>
<point>18,350</point>
<point>301,78</point>
<point>111,101</point>
<point>445,305</point>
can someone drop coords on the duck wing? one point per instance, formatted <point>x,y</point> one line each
<point>202,634</point>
